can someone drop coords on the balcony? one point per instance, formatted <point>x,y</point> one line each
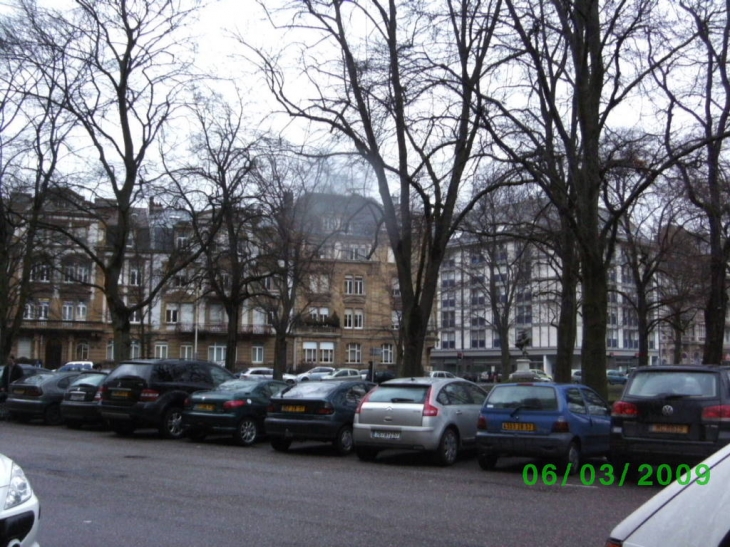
<point>221,327</point>
<point>47,325</point>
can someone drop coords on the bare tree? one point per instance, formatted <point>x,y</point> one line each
<point>122,70</point>
<point>400,84</point>
<point>697,86</point>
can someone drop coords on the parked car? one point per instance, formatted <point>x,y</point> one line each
<point>691,511</point>
<point>380,375</point>
<point>314,374</point>
<point>19,507</point>
<point>80,404</point>
<point>75,366</point>
<point>529,375</point>
<point>677,412</point>
<point>256,372</point>
<point>28,370</point>
<point>315,411</point>
<point>343,374</point>
<point>437,415</point>
<point>576,376</point>
<point>236,407</point>
<point>441,374</point>
<point>152,392</point>
<point>616,377</point>
<point>39,396</point>
<point>542,420</point>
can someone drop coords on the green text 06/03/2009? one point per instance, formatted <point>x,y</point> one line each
<point>606,474</point>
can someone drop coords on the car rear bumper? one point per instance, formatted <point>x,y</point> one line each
<point>87,412</point>
<point>647,450</point>
<point>223,423</point>
<point>534,446</point>
<point>141,413</point>
<point>302,429</point>
<point>25,407</point>
<point>408,437</point>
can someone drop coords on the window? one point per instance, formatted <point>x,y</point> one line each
<point>354,319</point>
<point>631,339</point>
<point>186,351</point>
<point>395,287</point>
<point>478,321</point>
<point>448,340</point>
<point>179,280</point>
<point>217,353</point>
<point>67,312</point>
<point>355,252</point>
<point>182,241</point>
<point>257,354</point>
<point>326,352</point>
<point>448,319</point>
<point>40,272</point>
<point>448,299</point>
<point>136,316</point>
<point>477,280</point>
<point>612,316</point>
<point>171,314</point>
<point>161,350</point>
<point>611,338</point>
<point>478,339</point>
<point>496,341</point>
<point>386,354</point>
<point>28,311</point>
<point>82,350</point>
<point>310,352</point>
<point>319,283</point>
<point>354,353</point>
<point>477,258</point>
<point>524,314</point>
<point>395,319</point>
<point>81,311</point>
<point>575,401</point>
<point>354,285</point>
<point>42,309</point>
<point>110,350</point>
<point>135,277</point>
<point>478,298</point>
<point>448,280</point>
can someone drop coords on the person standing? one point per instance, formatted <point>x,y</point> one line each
<point>11,373</point>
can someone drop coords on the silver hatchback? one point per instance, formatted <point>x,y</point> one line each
<point>437,415</point>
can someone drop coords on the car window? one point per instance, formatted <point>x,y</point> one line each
<point>399,394</point>
<point>530,396</point>
<point>596,405</point>
<point>166,372</point>
<point>195,373</point>
<point>276,388</point>
<point>63,384</point>
<point>476,393</point>
<point>455,394</point>
<point>689,383</point>
<point>134,369</point>
<point>355,394</point>
<point>219,375</point>
<point>88,379</point>
<point>307,390</point>
<point>575,401</point>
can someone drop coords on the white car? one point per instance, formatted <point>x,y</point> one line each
<point>343,374</point>
<point>256,372</point>
<point>441,374</point>
<point>690,512</point>
<point>18,505</point>
<point>315,374</point>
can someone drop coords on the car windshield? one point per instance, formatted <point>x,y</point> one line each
<point>681,383</point>
<point>311,390</point>
<point>399,394</point>
<point>88,380</point>
<point>36,379</point>
<point>131,369</point>
<point>247,386</point>
<point>531,397</point>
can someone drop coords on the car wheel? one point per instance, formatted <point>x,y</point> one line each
<point>448,448</point>
<point>246,432</point>
<point>52,415</point>
<point>74,424</point>
<point>171,427</point>
<point>124,429</point>
<point>305,379</point>
<point>366,454</point>
<point>572,457</point>
<point>280,445</point>
<point>196,435</point>
<point>291,382</point>
<point>343,443</point>
<point>487,462</point>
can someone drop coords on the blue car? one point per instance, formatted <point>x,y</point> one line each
<point>564,422</point>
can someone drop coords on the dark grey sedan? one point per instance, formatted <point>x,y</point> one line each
<point>39,396</point>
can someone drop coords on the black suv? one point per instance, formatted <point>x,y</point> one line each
<point>671,413</point>
<point>152,393</point>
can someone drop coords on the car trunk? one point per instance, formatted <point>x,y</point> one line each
<point>395,405</point>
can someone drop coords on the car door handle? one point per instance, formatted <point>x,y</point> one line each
<point>458,412</point>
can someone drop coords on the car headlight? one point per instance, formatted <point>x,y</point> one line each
<point>19,489</point>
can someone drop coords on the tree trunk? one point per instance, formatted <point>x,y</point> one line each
<point>232,335</point>
<point>567,319</point>
<point>595,286</point>
<point>280,351</point>
<point>716,306</point>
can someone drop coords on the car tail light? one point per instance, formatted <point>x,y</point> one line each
<point>717,413</point>
<point>622,409</point>
<point>149,395</point>
<point>97,395</point>
<point>561,426</point>
<point>363,400</point>
<point>614,543</point>
<point>101,392</point>
<point>428,408</point>
<point>326,409</point>
<point>32,391</point>
<point>230,405</point>
<point>481,422</point>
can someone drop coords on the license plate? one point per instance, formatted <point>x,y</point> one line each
<point>293,408</point>
<point>204,408</point>
<point>392,435</point>
<point>518,426</point>
<point>77,397</point>
<point>669,428</point>
<point>121,394</point>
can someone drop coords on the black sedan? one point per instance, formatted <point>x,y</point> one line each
<point>315,411</point>
<point>80,403</point>
<point>236,407</point>
<point>39,396</point>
